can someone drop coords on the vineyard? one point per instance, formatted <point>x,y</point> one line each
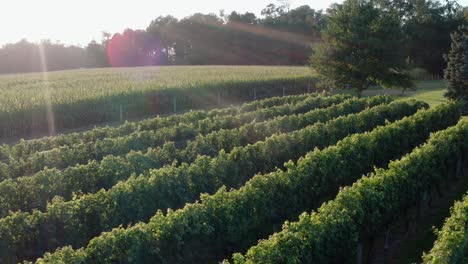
<point>301,178</point>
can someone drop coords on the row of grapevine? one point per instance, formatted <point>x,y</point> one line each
<point>332,233</point>
<point>226,222</point>
<point>27,147</point>
<point>273,101</point>
<point>451,245</point>
<point>30,192</point>
<point>137,199</point>
<point>65,156</point>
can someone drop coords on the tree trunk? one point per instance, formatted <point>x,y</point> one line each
<point>362,89</point>
<point>359,93</point>
<point>403,91</point>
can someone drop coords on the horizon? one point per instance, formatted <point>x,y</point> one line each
<point>64,23</point>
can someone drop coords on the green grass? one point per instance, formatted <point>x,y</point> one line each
<point>431,92</point>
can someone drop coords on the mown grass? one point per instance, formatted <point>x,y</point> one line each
<point>431,92</point>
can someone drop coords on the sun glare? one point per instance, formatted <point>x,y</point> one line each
<point>46,89</point>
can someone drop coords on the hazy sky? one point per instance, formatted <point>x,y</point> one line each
<point>79,21</point>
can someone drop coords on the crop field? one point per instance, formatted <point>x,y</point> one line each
<point>55,101</point>
<point>286,132</point>
<point>304,178</point>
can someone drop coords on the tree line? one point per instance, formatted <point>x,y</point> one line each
<point>280,36</point>
<point>383,42</point>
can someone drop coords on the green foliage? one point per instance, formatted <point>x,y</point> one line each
<point>451,245</point>
<point>171,187</point>
<point>419,74</point>
<point>27,147</point>
<point>227,221</point>
<point>332,233</point>
<point>85,97</point>
<point>35,191</point>
<point>81,153</point>
<point>427,26</point>
<point>456,72</point>
<point>361,47</point>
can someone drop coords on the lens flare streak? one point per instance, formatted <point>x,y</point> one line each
<point>48,101</point>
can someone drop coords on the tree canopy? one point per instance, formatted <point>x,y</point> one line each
<point>361,47</point>
<point>278,36</point>
<point>456,72</point>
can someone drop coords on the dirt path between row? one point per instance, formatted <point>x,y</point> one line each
<point>400,246</point>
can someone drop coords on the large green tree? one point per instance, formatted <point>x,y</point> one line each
<point>427,25</point>
<point>456,72</point>
<point>361,46</point>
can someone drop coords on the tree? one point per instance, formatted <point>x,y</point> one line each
<point>247,18</point>
<point>200,39</point>
<point>133,48</point>
<point>360,47</point>
<point>426,26</point>
<point>25,56</point>
<point>456,72</point>
<point>96,56</point>
<point>162,29</point>
<point>272,11</point>
<point>427,33</point>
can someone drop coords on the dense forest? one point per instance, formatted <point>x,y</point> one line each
<point>280,36</point>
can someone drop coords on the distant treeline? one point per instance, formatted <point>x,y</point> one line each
<point>281,36</point>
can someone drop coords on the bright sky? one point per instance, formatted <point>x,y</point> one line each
<point>78,22</point>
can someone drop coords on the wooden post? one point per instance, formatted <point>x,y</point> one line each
<point>174,104</point>
<point>283,91</point>
<point>429,198</point>
<point>464,164</point>
<point>459,171</point>
<point>121,113</point>
<point>387,239</point>
<point>421,205</point>
<point>407,222</point>
<point>359,253</point>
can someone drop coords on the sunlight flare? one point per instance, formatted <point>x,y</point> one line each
<point>45,81</point>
